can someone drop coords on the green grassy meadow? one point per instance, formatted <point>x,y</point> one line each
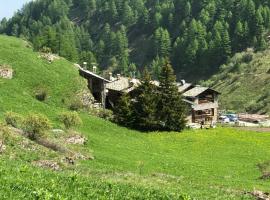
<point>200,164</point>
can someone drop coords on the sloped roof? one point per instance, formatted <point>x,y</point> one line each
<point>183,88</point>
<point>123,84</point>
<point>92,74</point>
<point>197,90</point>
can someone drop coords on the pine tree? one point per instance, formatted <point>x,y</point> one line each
<point>3,25</point>
<point>146,104</point>
<point>113,11</point>
<point>239,36</point>
<point>171,107</point>
<point>123,111</point>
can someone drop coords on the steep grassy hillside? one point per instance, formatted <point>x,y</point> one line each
<point>245,82</point>
<point>60,80</point>
<point>207,164</point>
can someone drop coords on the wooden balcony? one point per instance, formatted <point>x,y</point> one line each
<point>205,106</point>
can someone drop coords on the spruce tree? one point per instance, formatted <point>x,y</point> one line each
<point>171,107</point>
<point>123,111</point>
<point>146,104</point>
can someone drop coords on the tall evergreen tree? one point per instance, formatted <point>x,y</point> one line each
<point>123,111</point>
<point>145,106</point>
<point>171,107</point>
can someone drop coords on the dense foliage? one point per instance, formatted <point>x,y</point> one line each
<point>154,107</point>
<point>124,35</point>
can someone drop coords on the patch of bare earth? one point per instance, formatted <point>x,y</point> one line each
<point>255,129</point>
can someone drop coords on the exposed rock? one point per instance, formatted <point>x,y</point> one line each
<point>86,98</point>
<point>49,57</point>
<point>47,164</point>
<point>16,130</point>
<point>6,72</point>
<point>58,131</point>
<point>79,156</point>
<point>2,147</point>
<point>77,139</point>
<point>28,145</point>
<point>260,195</point>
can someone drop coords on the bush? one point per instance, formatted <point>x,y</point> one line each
<point>46,50</point>
<point>70,119</point>
<point>75,105</point>
<point>41,94</point>
<point>102,113</point>
<point>247,57</point>
<point>106,114</point>
<point>13,119</point>
<point>4,133</point>
<point>35,126</point>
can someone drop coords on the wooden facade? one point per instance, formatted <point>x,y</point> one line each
<point>203,105</point>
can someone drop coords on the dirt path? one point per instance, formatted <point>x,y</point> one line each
<point>256,129</point>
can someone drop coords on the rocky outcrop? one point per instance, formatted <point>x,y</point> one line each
<point>77,139</point>
<point>2,147</point>
<point>49,57</point>
<point>47,164</point>
<point>259,195</point>
<point>6,72</point>
<point>86,99</point>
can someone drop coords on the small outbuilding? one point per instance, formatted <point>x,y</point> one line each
<point>96,84</point>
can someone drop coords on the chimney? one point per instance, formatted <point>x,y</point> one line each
<point>183,82</point>
<point>110,76</point>
<point>85,65</point>
<point>94,69</point>
<point>118,76</point>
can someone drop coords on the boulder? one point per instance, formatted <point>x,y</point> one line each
<point>77,139</point>
<point>6,72</point>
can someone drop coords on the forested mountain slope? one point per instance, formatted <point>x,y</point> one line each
<point>245,82</point>
<point>127,35</point>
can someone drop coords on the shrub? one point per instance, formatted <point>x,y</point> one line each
<point>4,133</point>
<point>13,119</point>
<point>247,57</point>
<point>35,125</point>
<point>106,114</point>
<point>46,50</point>
<point>102,113</point>
<point>75,105</point>
<point>41,94</point>
<point>70,119</point>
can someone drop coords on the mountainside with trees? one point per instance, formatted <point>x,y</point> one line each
<point>128,35</point>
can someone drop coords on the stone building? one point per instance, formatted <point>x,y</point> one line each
<point>202,101</point>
